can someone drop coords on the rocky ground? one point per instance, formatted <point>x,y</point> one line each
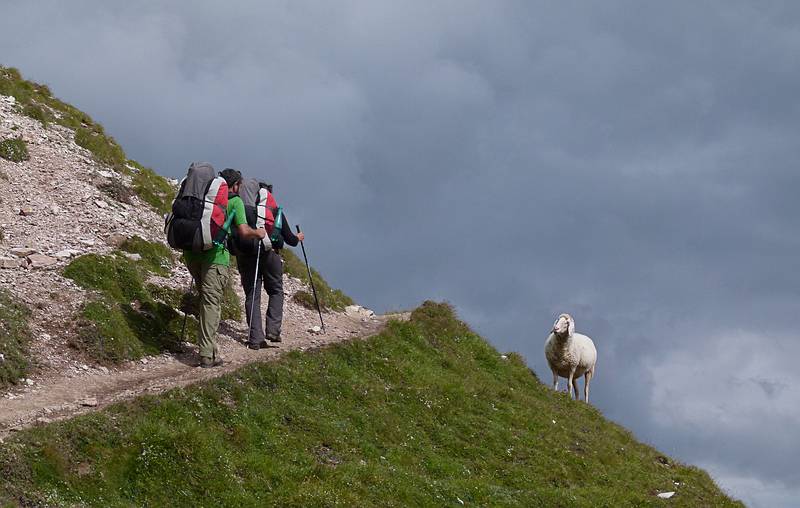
<point>52,209</point>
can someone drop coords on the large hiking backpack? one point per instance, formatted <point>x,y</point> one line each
<point>198,211</point>
<point>259,208</point>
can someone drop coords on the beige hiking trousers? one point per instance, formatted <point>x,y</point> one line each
<point>210,281</point>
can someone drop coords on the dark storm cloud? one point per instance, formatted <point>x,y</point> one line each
<point>633,164</point>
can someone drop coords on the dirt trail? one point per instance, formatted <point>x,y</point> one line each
<point>64,396</point>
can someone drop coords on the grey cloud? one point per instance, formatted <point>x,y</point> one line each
<point>632,164</point>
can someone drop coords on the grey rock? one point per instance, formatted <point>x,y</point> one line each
<point>41,261</point>
<point>22,251</point>
<point>89,402</point>
<point>9,262</point>
<point>66,253</point>
<point>132,256</point>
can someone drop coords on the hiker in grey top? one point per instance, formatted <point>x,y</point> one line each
<point>270,274</point>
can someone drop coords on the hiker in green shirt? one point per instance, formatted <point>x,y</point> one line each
<point>210,270</point>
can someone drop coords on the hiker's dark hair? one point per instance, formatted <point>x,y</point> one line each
<point>231,176</point>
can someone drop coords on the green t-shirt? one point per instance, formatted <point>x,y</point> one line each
<point>218,254</point>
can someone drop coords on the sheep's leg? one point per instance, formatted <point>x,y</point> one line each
<point>575,388</point>
<point>587,378</point>
<point>570,380</point>
<point>555,380</point>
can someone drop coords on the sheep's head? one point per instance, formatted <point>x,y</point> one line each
<point>564,325</point>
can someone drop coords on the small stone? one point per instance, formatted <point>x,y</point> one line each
<point>101,204</point>
<point>29,382</point>
<point>55,210</point>
<point>2,357</point>
<point>132,256</point>
<point>84,367</point>
<point>87,242</point>
<point>665,495</point>
<point>64,254</point>
<point>315,329</point>
<point>106,174</point>
<point>41,261</point>
<point>89,402</point>
<point>43,420</point>
<point>104,370</point>
<point>504,357</point>
<point>26,212</point>
<point>144,361</point>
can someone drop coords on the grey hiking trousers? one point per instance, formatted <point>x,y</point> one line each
<point>270,274</point>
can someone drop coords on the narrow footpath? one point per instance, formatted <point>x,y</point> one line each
<point>66,395</point>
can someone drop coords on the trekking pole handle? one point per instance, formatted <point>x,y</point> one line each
<point>298,227</point>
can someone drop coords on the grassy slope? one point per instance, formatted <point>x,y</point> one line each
<point>329,298</point>
<point>14,339</point>
<point>424,414</point>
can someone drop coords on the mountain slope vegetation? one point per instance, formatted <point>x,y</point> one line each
<point>426,413</point>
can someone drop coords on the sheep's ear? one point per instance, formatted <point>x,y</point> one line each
<point>571,326</point>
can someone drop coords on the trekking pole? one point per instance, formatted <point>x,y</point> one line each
<point>255,286</point>
<point>311,280</point>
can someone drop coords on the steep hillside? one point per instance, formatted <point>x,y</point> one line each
<point>424,414</point>
<point>89,293</point>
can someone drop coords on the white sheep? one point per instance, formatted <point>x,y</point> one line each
<point>570,355</point>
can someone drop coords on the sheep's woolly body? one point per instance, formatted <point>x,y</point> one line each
<point>570,355</point>
<point>576,351</point>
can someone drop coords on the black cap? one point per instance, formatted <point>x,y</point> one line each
<point>231,176</point>
<point>265,185</point>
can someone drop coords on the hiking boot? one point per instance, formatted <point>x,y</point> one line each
<point>257,345</point>
<point>206,362</point>
<point>274,338</point>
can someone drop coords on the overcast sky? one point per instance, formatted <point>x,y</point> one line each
<point>632,163</point>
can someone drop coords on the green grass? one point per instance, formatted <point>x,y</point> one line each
<point>157,257</point>
<point>14,150</point>
<point>104,148</point>
<point>14,339</point>
<point>37,113</point>
<point>424,414</point>
<point>113,333</point>
<point>153,188</point>
<point>329,298</point>
<point>122,320</point>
